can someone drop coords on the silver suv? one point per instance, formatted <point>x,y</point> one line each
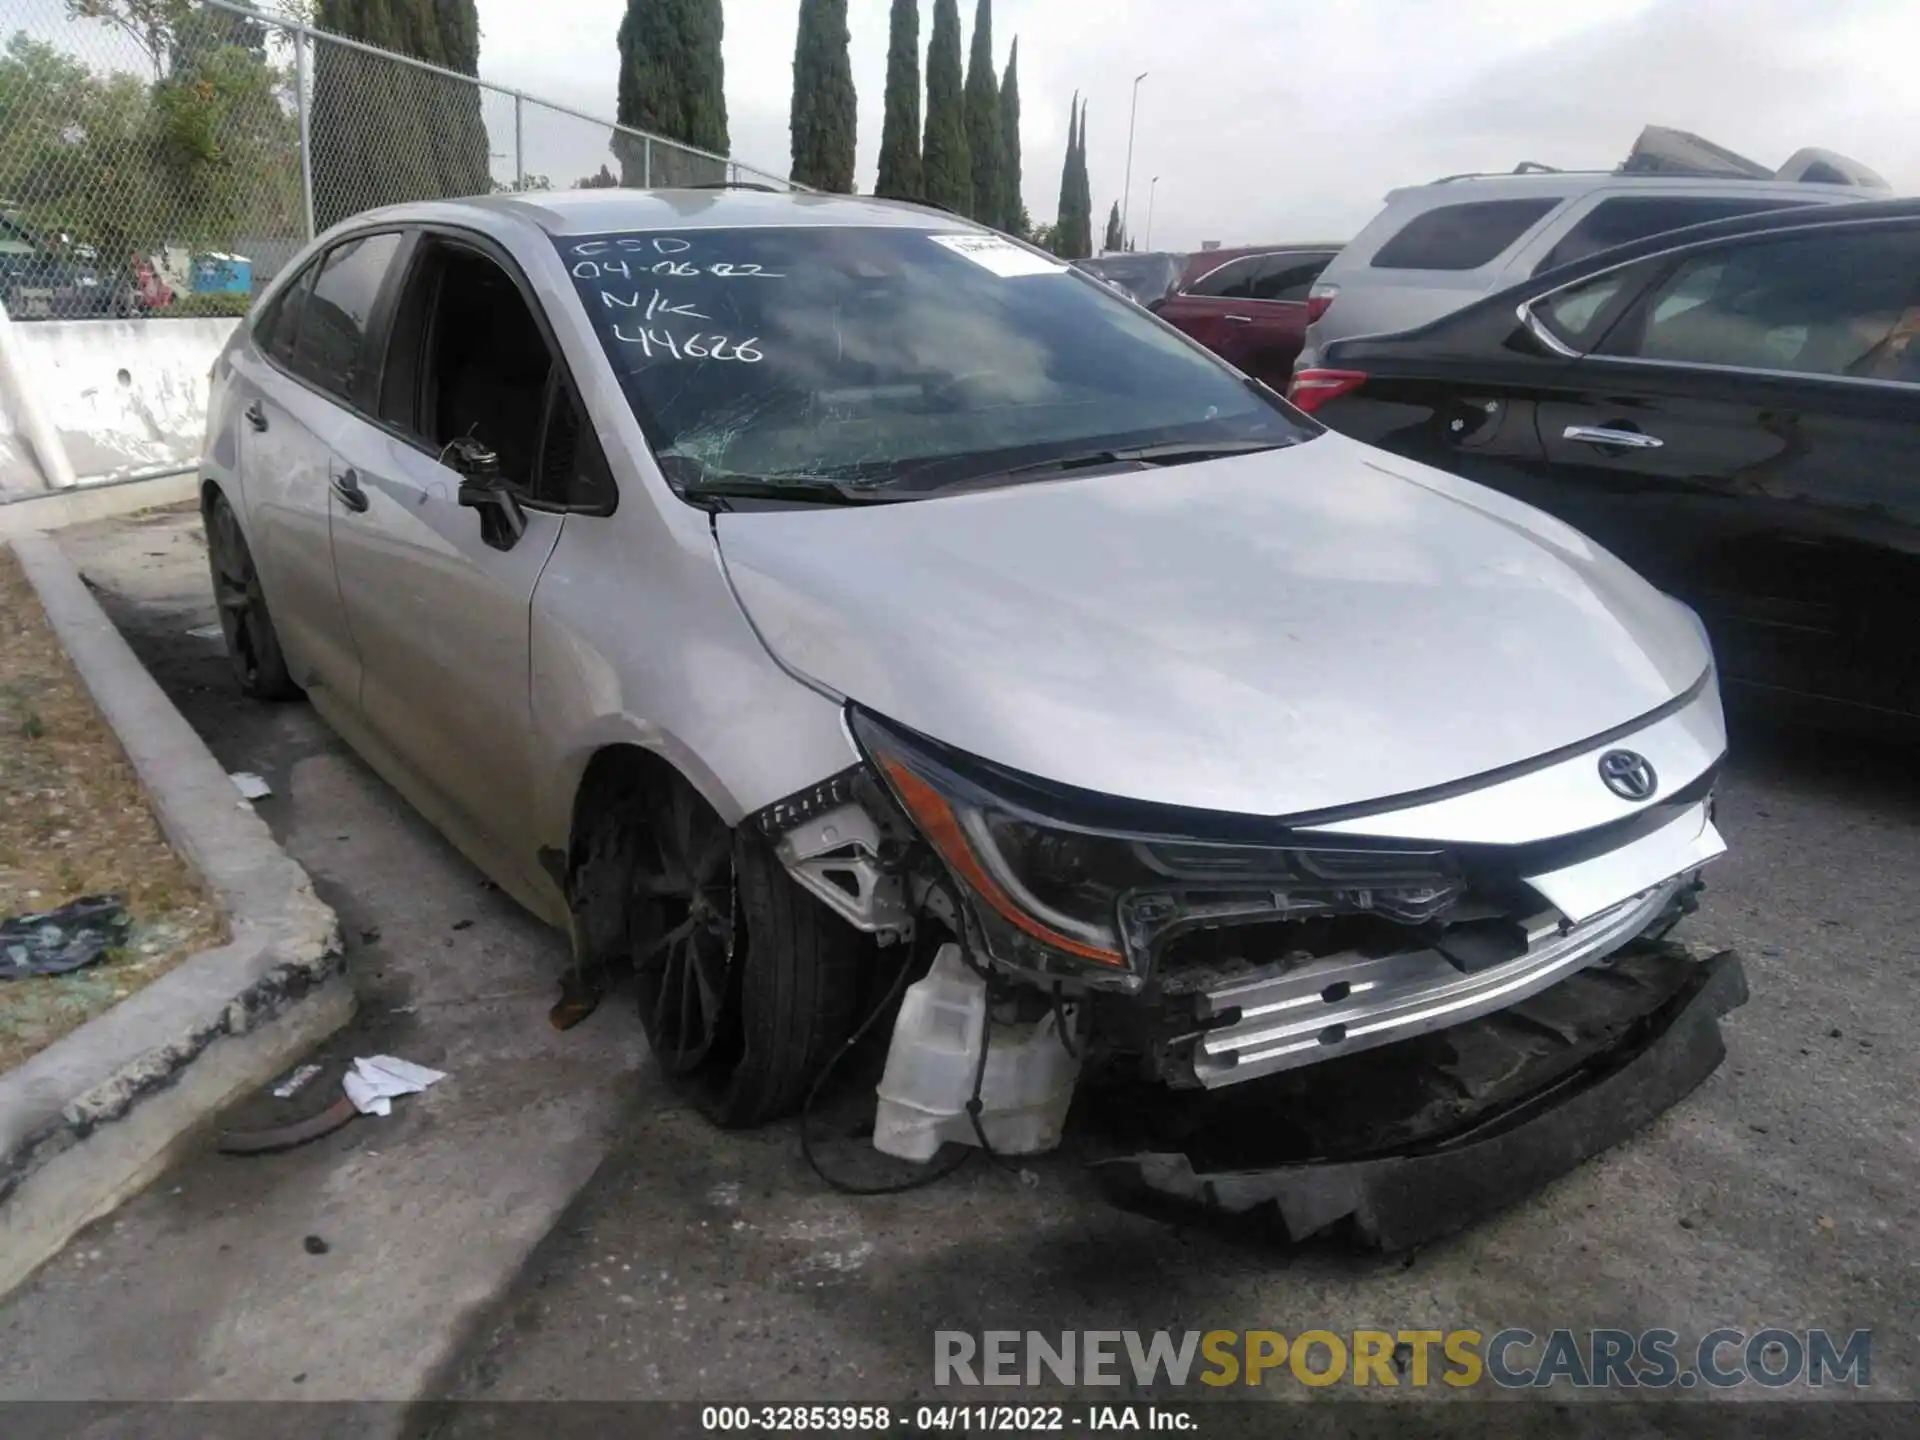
<point>1437,248</point>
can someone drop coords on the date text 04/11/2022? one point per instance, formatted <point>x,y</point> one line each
<point>943,1419</point>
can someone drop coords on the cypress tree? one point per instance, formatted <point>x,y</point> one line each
<point>1114,239</point>
<point>1082,193</point>
<point>1063,220</point>
<point>672,83</point>
<point>822,119</point>
<point>900,131</point>
<point>1013,204</point>
<point>983,120</point>
<point>946,168</point>
<point>380,136</point>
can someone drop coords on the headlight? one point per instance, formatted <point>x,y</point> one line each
<point>1058,897</point>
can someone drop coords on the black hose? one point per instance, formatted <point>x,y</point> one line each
<point>1060,1025</point>
<point>914,1182</point>
<point>979,1078</point>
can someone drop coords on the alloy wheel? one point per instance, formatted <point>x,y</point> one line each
<point>690,931</point>
<point>236,591</point>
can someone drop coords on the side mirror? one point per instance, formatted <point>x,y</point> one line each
<point>502,521</point>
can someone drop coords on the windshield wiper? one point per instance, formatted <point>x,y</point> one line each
<point>1177,452</point>
<point>802,490</point>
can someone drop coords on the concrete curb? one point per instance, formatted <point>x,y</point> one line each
<point>91,1119</point>
<point>32,513</point>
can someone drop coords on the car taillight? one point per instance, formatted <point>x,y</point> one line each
<point>1313,388</point>
<point>1318,299</point>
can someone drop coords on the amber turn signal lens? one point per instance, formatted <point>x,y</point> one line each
<point>941,826</point>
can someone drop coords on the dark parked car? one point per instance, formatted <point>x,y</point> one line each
<point>1733,409</point>
<point>1146,277</point>
<point>1249,306</point>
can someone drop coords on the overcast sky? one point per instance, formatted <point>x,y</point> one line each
<point>1287,120</point>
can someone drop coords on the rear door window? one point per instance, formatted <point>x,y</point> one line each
<point>331,349</point>
<point>1232,281</point>
<point>1634,217</point>
<point>1839,304</point>
<point>279,324</point>
<point>1462,237</point>
<point>1288,278</point>
<point>1574,314</point>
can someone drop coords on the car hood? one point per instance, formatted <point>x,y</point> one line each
<point>1269,634</point>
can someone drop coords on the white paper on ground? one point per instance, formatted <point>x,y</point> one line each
<point>375,1080</point>
<point>295,1083</point>
<point>250,785</point>
<point>1000,255</point>
<point>207,632</point>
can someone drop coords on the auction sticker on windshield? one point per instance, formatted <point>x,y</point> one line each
<point>1000,255</point>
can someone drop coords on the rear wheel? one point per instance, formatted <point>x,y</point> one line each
<point>253,646</point>
<point>746,983</point>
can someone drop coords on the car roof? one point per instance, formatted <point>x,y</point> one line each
<point>1456,189</point>
<point>587,212</point>
<point>1791,220</point>
<point>1236,252</point>
<point>1794,217</point>
<point>1205,262</point>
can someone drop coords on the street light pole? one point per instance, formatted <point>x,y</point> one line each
<point>1152,189</point>
<point>1126,193</point>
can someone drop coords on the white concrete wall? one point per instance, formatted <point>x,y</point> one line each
<point>127,396</point>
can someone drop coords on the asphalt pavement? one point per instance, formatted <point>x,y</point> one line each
<point>555,1221</point>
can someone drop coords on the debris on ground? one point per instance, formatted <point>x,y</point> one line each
<point>285,1137</point>
<point>56,942</point>
<point>208,632</point>
<point>250,785</point>
<point>296,1082</point>
<point>314,1245</point>
<point>376,1080</point>
<point>370,1087</point>
<point>580,994</point>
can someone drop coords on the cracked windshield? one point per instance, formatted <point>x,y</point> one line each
<point>893,359</point>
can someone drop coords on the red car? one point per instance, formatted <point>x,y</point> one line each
<point>1249,305</point>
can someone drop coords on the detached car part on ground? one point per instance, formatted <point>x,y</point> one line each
<point>778,590</point>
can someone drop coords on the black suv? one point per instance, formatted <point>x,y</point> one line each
<point>1733,409</point>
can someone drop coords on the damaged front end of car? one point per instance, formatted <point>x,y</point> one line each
<point>1203,950</point>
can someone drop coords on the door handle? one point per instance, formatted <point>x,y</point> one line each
<point>347,486</point>
<point>257,415</point>
<point>1603,435</point>
<point>1239,319</point>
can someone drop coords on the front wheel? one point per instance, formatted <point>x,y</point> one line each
<point>747,984</point>
<point>253,646</point>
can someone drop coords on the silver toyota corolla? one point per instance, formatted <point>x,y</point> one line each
<point>750,582</point>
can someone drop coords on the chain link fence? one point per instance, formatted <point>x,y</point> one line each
<point>168,157</point>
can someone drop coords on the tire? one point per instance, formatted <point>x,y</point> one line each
<point>799,986</point>
<point>253,645</point>
<point>719,932</point>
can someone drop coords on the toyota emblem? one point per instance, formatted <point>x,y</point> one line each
<point>1629,775</point>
